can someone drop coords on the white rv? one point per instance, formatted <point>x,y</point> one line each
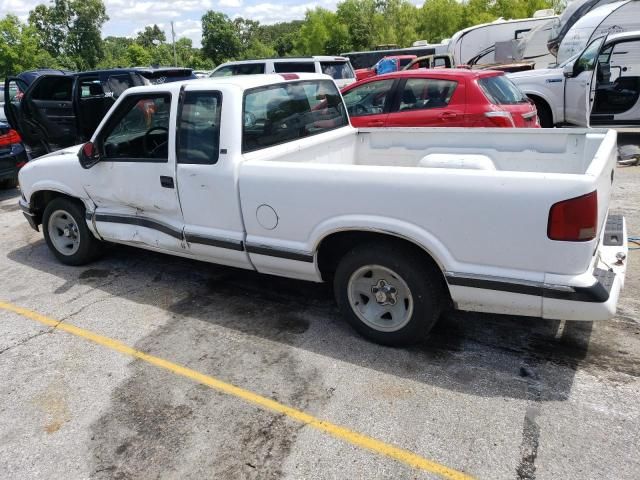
<point>494,42</point>
<point>616,17</point>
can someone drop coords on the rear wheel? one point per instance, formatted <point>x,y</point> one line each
<point>67,234</point>
<point>388,295</point>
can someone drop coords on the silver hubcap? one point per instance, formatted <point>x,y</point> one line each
<point>63,232</point>
<point>380,298</point>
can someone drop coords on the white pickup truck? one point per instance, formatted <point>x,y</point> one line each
<point>599,86</point>
<point>265,173</point>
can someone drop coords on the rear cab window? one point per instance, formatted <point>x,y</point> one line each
<point>338,70</point>
<point>499,90</point>
<point>90,87</point>
<point>282,113</point>
<point>294,67</point>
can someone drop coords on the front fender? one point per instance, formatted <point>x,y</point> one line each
<point>549,95</point>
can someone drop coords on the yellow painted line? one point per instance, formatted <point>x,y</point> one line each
<point>399,454</point>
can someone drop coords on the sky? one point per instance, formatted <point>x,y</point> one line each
<point>127,17</point>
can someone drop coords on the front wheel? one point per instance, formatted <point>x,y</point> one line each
<point>388,295</point>
<point>67,234</point>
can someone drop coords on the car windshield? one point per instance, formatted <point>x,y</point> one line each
<point>499,90</point>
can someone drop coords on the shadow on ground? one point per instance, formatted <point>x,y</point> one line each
<point>478,354</point>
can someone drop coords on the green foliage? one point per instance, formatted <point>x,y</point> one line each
<point>220,38</point>
<point>151,36</point>
<point>20,49</point>
<point>70,30</point>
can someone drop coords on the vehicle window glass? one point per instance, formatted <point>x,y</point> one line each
<point>367,99</point>
<point>90,88</point>
<point>421,93</point>
<point>119,83</point>
<point>16,91</point>
<point>587,61</point>
<point>282,113</point>
<point>337,70</point>
<point>294,67</point>
<point>499,90</point>
<point>199,128</point>
<point>53,88</point>
<point>140,131</point>
<point>405,61</point>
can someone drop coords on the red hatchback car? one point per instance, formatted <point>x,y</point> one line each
<point>439,98</point>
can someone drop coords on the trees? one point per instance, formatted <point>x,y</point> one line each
<point>19,48</point>
<point>220,39</point>
<point>151,36</point>
<point>70,30</point>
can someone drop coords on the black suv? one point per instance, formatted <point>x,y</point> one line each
<point>53,109</point>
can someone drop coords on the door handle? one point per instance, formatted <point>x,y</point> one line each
<point>166,182</point>
<point>448,115</point>
<point>375,123</point>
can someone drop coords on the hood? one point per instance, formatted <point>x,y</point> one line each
<point>65,151</point>
<point>541,72</point>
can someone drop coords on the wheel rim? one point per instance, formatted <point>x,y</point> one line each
<point>64,232</point>
<point>380,298</point>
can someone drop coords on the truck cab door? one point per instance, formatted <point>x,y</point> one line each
<point>207,180</point>
<point>580,85</point>
<point>133,185</point>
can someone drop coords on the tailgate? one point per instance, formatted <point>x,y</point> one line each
<point>602,169</point>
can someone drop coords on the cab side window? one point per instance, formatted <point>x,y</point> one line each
<point>139,130</point>
<point>294,67</point>
<point>199,128</point>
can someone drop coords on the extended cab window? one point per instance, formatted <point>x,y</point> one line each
<point>139,130</point>
<point>285,112</point>
<point>368,99</point>
<point>199,128</point>
<point>294,67</point>
<point>423,93</point>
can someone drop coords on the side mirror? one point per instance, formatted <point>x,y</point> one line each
<point>88,155</point>
<point>568,70</point>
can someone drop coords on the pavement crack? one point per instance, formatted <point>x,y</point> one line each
<point>27,339</point>
<point>526,469</point>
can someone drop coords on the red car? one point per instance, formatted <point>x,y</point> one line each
<point>439,98</point>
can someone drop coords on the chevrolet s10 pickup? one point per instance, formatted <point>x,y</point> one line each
<point>266,173</point>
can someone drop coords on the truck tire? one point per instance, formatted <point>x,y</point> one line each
<point>387,294</point>
<point>544,113</point>
<point>66,232</point>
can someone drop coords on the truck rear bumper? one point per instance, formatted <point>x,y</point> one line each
<point>591,296</point>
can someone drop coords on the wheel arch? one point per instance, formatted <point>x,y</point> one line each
<point>335,244</point>
<point>39,200</point>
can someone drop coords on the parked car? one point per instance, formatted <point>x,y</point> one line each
<point>599,86</point>
<point>431,61</point>
<point>338,68</point>
<point>391,63</point>
<point>53,109</point>
<point>13,156</point>
<point>404,222</point>
<point>439,98</point>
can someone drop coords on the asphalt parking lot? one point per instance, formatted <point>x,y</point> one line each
<point>486,396</point>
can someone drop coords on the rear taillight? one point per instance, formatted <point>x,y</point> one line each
<point>9,138</point>
<point>574,220</point>
<point>500,119</point>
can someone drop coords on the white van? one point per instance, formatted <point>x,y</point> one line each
<point>339,68</point>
